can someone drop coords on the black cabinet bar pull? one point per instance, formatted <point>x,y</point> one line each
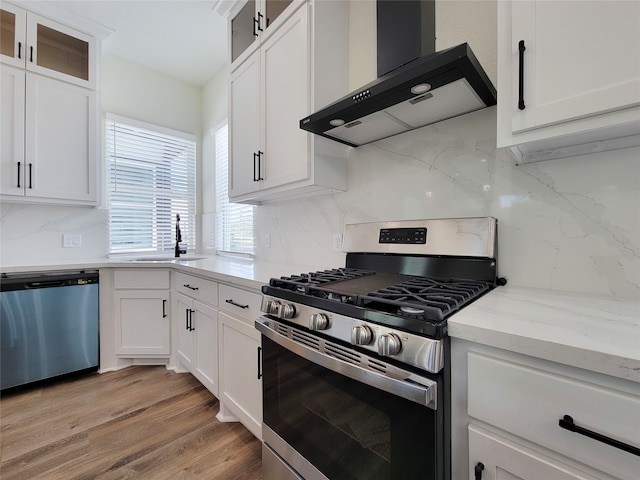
<point>521,50</point>
<point>478,470</point>
<point>191,327</point>
<point>164,309</point>
<point>566,422</point>
<point>19,49</point>
<point>260,165</point>
<point>19,174</point>
<point>260,17</point>
<point>230,301</point>
<point>30,174</point>
<point>255,24</point>
<point>186,317</point>
<point>259,363</point>
<point>190,287</point>
<point>31,54</point>
<point>255,157</point>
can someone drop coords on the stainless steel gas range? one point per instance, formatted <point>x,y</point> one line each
<point>355,360</point>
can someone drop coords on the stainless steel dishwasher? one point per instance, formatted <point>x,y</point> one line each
<point>49,325</point>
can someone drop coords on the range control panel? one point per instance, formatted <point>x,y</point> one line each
<point>406,236</point>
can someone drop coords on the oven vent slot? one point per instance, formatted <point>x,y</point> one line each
<point>377,366</point>
<point>305,339</point>
<point>341,353</point>
<point>281,329</point>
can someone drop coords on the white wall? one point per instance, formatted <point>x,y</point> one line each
<point>33,233</point>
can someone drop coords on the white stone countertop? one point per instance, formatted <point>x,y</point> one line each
<point>592,332</point>
<point>239,271</point>
<point>595,333</point>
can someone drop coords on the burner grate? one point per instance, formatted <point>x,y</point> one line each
<point>305,282</point>
<point>425,298</point>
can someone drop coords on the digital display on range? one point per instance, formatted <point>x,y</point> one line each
<point>405,236</point>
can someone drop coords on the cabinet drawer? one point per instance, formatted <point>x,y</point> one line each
<point>240,303</point>
<point>141,279</point>
<point>529,402</point>
<point>205,291</point>
<point>503,459</point>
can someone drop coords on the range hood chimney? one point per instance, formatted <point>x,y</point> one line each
<point>416,86</point>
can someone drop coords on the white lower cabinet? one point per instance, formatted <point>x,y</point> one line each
<point>240,358</point>
<point>240,375</point>
<point>141,307</point>
<point>493,457</point>
<point>518,406</point>
<point>196,319</point>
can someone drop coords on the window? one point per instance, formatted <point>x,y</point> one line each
<point>150,179</point>
<point>234,221</point>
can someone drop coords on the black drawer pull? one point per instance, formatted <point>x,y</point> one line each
<point>521,50</point>
<point>229,300</point>
<point>259,363</point>
<point>19,49</point>
<point>478,470</point>
<point>190,287</point>
<point>567,423</point>
<point>18,174</point>
<point>164,309</point>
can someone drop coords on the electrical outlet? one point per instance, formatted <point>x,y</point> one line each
<point>267,240</point>
<point>71,240</point>
<point>337,242</point>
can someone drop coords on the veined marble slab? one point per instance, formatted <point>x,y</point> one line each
<point>592,332</point>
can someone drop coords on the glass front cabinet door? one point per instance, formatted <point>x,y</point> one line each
<point>41,45</point>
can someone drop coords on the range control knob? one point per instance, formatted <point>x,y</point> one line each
<point>319,321</point>
<point>361,335</point>
<point>287,310</point>
<point>271,307</point>
<point>389,344</point>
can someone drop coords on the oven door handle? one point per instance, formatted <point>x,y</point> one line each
<point>406,384</point>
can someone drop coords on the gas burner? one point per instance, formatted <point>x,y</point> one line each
<point>305,282</point>
<point>411,310</point>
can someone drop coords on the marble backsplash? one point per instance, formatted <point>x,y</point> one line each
<point>571,224</point>
<point>34,233</point>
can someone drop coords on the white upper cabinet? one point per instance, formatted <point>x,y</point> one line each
<point>49,126</point>
<point>301,66</point>
<point>568,77</point>
<point>252,22</point>
<point>41,45</point>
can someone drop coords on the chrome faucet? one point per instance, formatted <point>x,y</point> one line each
<point>178,250</point>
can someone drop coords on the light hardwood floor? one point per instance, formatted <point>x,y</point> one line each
<point>141,422</point>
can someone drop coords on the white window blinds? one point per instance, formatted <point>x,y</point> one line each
<point>234,221</point>
<point>150,179</point>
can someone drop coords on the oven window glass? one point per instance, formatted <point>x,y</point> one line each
<point>346,429</point>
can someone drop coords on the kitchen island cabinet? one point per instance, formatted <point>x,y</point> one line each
<point>300,67</point>
<point>568,76</point>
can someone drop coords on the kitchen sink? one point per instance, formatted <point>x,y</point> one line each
<point>167,258</point>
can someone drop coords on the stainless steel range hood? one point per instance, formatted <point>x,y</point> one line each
<point>430,88</point>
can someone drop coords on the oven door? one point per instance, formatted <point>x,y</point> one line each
<point>331,412</point>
